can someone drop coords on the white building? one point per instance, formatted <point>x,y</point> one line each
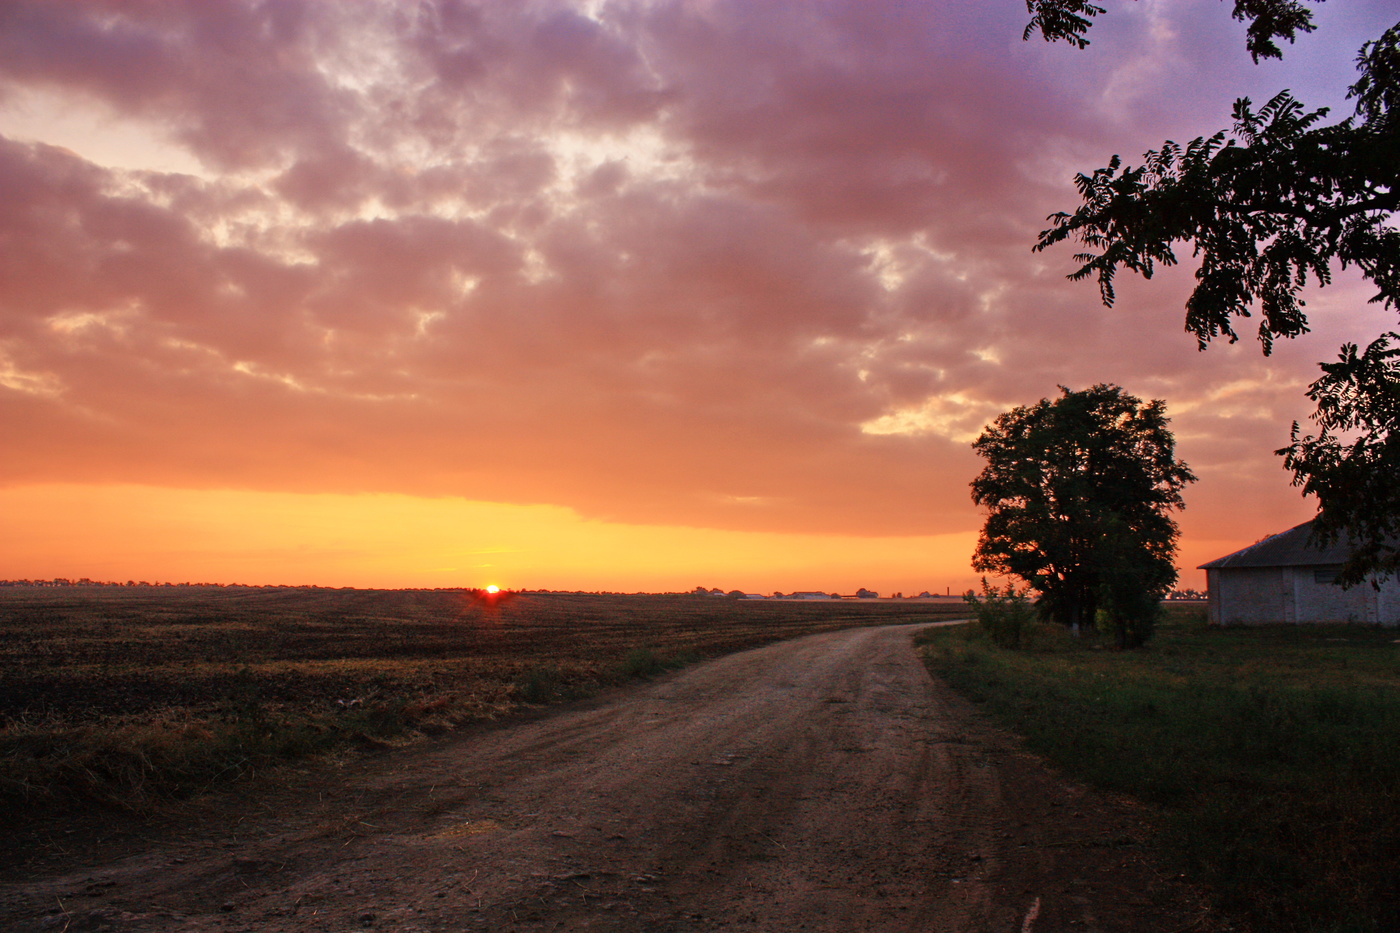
<point>1285,579</point>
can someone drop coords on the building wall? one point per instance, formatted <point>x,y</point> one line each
<point>1388,607</point>
<point>1320,600</point>
<point>1247,595</point>
<point>1259,595</point>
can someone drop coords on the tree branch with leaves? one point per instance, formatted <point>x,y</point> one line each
<point>1353,465</point>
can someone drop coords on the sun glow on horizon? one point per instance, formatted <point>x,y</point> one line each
<point>120,532</point>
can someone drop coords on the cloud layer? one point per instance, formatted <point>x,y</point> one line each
<point>713,263</point>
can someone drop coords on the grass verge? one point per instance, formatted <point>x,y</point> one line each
<point>1273,753</point>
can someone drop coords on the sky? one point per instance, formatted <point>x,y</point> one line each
<point>605,294</point>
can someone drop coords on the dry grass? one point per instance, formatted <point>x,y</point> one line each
<point>129,695</point>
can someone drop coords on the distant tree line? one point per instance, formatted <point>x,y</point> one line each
<point>84,581</point>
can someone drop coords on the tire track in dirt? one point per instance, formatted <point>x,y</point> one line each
<point>822,784</point>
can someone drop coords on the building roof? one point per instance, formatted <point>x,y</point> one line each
<point>1287,549</point>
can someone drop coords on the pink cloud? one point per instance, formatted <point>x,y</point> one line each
<point>234,80</point>
<point>660,266</point>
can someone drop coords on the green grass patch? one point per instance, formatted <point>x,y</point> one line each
<point>645,663</point>
<point>1273,752</point>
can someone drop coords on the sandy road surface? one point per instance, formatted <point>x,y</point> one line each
<point>819,784</point>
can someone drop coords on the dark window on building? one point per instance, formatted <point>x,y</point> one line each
<point>1327,575</point>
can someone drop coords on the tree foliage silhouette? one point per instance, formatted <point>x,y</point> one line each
<point>1359,479</point>
<point>1079,493</point>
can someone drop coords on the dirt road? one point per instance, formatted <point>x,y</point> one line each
<point>822,784</point>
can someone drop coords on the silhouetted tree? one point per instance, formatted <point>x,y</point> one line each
<point>1079,492</point>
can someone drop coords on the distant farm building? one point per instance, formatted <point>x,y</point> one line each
<point>1284,578</point>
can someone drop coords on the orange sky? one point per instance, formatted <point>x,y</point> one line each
<point>390,540</point>
<point>613,295</point>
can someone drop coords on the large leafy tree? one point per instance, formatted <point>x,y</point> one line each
<point>1079,493</point>
<point>1268,208</point>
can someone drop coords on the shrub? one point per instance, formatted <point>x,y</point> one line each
<point>540,684</point>
<point>1004,614</point>
<point>641,662</point>
<point>646,663</point>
